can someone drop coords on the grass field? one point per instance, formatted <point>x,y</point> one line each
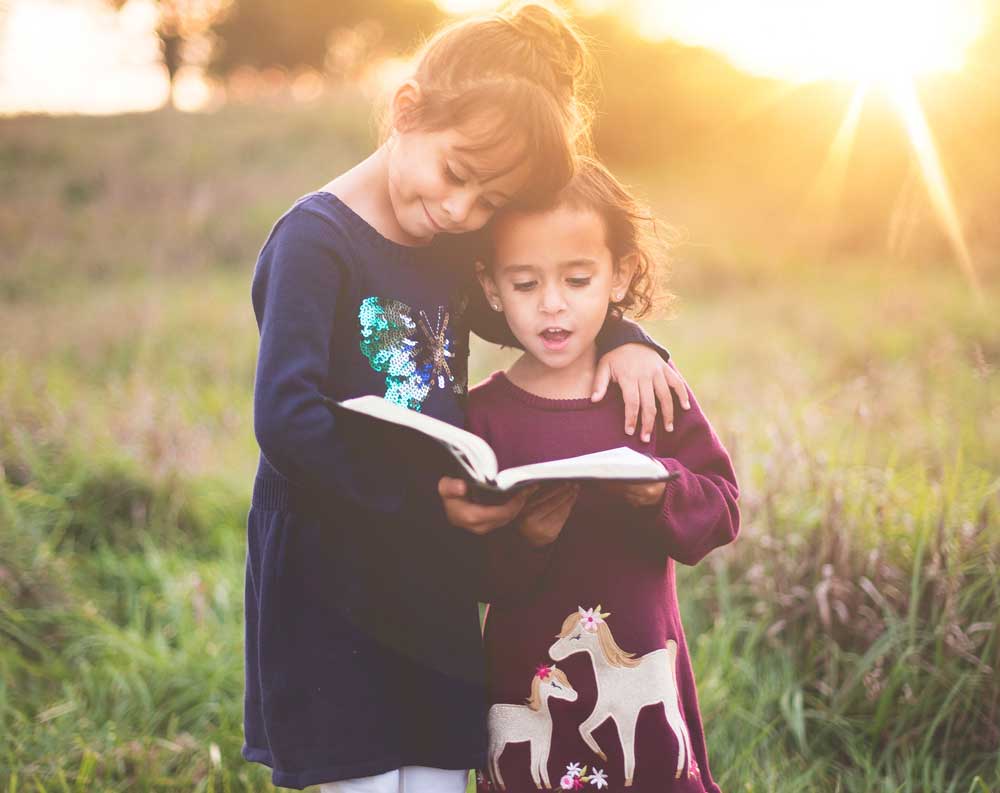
<point>847,642</point>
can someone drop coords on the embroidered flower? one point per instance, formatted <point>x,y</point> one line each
<point>577,783</point>
<point>568,782</point>
<point>543,672</point>
<point>598,778</point>
<point>573,769</point>
<point>591,618</point>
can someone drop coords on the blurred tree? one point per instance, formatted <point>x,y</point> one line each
<point>179,23</point>
<point>304,33</point>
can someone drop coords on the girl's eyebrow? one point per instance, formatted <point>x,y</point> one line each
<point>583,262</point>
<point>518,268</point>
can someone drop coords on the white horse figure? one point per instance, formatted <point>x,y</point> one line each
<point>625,685</point>
<point>531,722</point>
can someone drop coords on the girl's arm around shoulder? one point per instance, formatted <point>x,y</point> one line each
<point>298,281</point>
<point>698,511</point>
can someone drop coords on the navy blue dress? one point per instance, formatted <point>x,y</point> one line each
<point>363,650</point>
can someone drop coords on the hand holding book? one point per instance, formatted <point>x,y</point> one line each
<point>639,494</point>
<point>478,515</point>
<point>546,512</point>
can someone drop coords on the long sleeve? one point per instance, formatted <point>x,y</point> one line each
<point>296,286</point>
<point>699,510</point>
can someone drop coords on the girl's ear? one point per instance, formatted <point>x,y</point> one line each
<point>406,99</point>
<point>622,277</point>
<point>489,287</point>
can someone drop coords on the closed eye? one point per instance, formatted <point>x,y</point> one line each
<point>451,176</point>
<point>579,281</point>
<point>524,286</point>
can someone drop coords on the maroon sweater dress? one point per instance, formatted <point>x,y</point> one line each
<point>590,680</point>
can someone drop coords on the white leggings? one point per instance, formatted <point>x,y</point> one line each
<point>410,779</point>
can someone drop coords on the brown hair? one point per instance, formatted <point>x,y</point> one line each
<point>630,229</point>
<point>524,70</point>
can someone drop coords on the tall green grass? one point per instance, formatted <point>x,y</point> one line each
<point>846,642</point>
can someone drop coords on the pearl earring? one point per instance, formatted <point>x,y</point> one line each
<point>496,307</point>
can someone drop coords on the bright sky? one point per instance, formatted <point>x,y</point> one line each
<point>64,56</point>
<point>807,40</point>
<point>80,56</point>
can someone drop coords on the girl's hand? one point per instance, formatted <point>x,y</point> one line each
<point>473,517</point>
<point>545,514</point>
<point>643,377</point>
<point>640,494</point>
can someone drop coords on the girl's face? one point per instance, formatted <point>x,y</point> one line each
<point>438,186</point>
<point>554,277</point>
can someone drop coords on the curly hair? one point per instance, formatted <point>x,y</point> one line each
<point>630,229</point>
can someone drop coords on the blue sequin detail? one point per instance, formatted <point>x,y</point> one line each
<point>415,353</point>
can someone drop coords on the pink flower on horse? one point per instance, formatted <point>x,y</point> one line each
<point>591,618</point>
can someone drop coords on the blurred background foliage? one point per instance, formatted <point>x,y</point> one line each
<point>847,641</point>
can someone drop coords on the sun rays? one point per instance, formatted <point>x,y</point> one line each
<point>876,44</point>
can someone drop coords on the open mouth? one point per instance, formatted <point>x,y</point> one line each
<point>555,338</point>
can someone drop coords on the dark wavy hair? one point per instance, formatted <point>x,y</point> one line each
<point>630,229</point>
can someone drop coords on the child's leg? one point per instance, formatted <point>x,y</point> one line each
<point>420,779</point>
<point>382,783</point>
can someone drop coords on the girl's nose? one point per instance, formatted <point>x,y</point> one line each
<point>458,205</point>
<point>552,299</point>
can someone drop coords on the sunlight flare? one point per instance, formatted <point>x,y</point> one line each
<point>830,180</point>
<point>904,96</point>
<point>805,40</point>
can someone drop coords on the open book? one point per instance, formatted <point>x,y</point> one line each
<point>477,460</point>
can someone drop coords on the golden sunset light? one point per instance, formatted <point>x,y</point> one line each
<point>79,57</point>
<point>907,102</point>
<point>886,44</point>
<point>751,244</point>
<point>803,40</point>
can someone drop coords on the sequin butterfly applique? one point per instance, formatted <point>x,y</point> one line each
<point>415,352</point>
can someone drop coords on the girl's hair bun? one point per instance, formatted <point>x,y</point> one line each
<point>522,70</point>
<point>557,43</point>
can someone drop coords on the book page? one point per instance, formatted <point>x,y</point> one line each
<point>614,464</point>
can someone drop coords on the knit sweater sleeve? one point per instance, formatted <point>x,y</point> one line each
<point>296,285</point>
<point>699,510</point>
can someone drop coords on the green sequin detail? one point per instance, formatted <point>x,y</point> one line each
<point>414,352</point>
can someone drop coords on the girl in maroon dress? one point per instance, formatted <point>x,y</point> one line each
<point>590,678</point>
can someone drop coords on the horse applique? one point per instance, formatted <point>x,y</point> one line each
<point>531,722</point>
<point>625,685</point>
